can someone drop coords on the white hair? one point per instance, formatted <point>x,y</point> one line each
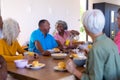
<point>10,30</point>
<point>94,21</point>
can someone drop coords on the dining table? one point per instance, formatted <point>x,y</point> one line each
<point>45,73</point>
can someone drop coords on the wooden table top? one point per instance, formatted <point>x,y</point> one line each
<point>46,73</point>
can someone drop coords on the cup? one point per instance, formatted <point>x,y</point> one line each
<point>21,63</point>
<point>29,53</point>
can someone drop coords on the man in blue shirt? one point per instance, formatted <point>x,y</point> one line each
<point>40,40</point>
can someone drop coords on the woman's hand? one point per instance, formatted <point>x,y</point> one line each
<point>70,66</point>
<point>74,32</point>
<point>31,57</point>
<point>36,56</point>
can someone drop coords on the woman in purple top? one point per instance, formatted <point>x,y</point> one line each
<point>63,34</point>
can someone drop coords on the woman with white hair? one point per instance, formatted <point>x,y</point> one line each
<point>9,44</point>
<point>103,58</point>
<point>63,34</point>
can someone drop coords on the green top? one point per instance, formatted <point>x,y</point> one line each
<point>103,61</point>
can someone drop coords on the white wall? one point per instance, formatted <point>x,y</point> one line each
<point>29,12</point>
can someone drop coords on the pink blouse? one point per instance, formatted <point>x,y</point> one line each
<point>117,40</point>
<point>62,39</point>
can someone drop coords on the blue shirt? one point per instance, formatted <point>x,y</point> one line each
<point>47,42</point>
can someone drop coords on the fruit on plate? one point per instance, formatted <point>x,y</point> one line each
<point>74,55</point>
<point>61,65</point>
<point>56,49</point>
<point>35,63</point>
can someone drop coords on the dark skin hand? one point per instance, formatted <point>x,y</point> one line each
<point>59,45</point>
<point>74,32</point>
<point>39,47</point>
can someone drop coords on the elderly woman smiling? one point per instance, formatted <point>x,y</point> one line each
<point>103,58</point>
<point>9,44</point>
<point>63,34</point>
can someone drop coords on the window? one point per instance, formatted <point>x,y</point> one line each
<point>83,8</point>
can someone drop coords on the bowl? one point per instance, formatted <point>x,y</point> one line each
<point>80,61</point>
<point>59,55</point>
<point>21,63</point>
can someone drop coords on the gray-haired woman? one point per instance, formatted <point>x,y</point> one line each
<point>9,44</point>
<point>103,58</point>
<point>63,34</point>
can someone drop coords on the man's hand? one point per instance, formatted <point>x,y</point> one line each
<point>46,53</point>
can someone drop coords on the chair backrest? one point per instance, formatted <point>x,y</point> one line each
<point>3,68</point>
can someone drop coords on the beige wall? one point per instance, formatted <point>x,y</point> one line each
<point>29,12</point>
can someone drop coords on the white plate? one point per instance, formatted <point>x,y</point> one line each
<point>35,68</point>
<point>57,69</point>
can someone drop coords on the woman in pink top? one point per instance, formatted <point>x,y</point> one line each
<point>117,37</point>
<point>62,34</point>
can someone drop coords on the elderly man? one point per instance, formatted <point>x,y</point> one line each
<point>1,24</point>
<point>117,37</point>
<point>40,40</point>
<point>103,58</point>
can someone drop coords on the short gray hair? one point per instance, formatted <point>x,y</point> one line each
<point>94,21</point>
<point>10,30</point>
<point>63,23</point>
